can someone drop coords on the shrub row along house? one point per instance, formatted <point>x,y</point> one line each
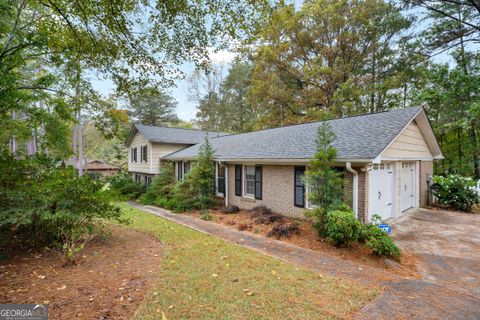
<point>386,158</point>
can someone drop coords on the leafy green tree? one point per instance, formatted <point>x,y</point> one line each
<point>205,89</point>
<point>330,58</point>
<point>452,101</point>
<point>239,115</point>
<point>153,107</point>
<point>49,50</point>
<point>202,176</point>
<point>325,184</point>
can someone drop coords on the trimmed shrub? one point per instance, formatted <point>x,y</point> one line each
<point>383,246</point>
<point>122,187</point>
<point>379,242</point>
<point>283,231</point>
<point>455,192</point>
<point>342,228</point>
<point>162,185</point>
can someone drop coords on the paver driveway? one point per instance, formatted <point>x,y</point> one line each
<point>448,245</point>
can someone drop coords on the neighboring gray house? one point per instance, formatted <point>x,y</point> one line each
<point>148,144</point>
<point>387,159</point>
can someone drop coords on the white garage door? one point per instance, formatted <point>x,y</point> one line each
<point>381,187</point>
<point>408,185</point>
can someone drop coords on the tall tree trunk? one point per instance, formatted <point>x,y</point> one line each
<point>374,75</point>
<point>80,144</point>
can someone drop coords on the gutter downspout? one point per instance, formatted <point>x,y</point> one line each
<point>355,187</point>
<point>226,185</point>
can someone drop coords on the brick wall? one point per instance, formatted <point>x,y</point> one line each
<point>278,191</point>
<point>362,195</point>
<point>426,167</point>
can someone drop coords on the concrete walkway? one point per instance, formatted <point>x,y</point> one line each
<point>402,299</point>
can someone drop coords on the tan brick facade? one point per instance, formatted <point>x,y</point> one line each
<point>362,192</point>
<point>278,191</point>
<point>426,168</point>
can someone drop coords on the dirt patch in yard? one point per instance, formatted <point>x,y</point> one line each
<point>108,282</point>
<point>307,237</point>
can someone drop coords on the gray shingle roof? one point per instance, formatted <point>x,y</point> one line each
<point>357,137</point>
<point>173,135</point>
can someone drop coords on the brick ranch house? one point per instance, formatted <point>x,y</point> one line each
<point>387,161</point>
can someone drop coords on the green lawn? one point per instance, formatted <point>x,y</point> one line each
<point>202,277</point>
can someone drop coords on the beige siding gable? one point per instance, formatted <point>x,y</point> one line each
<point>156,150</point>
<point>410,144</point>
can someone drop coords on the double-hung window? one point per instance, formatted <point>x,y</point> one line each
<point>249,181</point>
<point>133,156</point>
<point>220,179</point>
<point>143,154</point>
<point>179,170</point>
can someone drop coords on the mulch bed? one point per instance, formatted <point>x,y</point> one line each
<point>109,280</point>
<point>307,237</point>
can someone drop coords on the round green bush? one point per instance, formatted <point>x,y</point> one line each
<point>342,228</point>
<point>456,192</point>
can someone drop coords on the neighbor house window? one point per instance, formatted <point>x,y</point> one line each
<point>249,184</point>
<point>133,156</point>
<point>220,179</point>
<point>148,180</point>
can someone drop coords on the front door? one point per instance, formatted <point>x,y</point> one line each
<point>381,186</point>
<point>408,185</point>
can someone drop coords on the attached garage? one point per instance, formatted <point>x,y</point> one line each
<point>395,178</point>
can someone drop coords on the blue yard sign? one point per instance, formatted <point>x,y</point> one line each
<point>385,227</point>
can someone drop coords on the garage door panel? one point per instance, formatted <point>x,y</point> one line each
<point>408,189</point>
<point>381,190</point>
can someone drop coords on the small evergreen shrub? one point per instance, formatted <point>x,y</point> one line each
<point>161,186</point>
<point>382,245</point>
<point>379,242</point>
<point>342,228</point>
<point>456,192</point>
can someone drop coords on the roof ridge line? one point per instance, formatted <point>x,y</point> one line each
<point>190,129</point>
<point>311,122</point>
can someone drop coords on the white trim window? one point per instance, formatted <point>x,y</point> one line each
<point>133,156</point>
<point>249,181</point>
<point>143,154</point>
<point>220,179</point>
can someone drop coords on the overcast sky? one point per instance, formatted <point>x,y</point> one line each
<point>185,109</point>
